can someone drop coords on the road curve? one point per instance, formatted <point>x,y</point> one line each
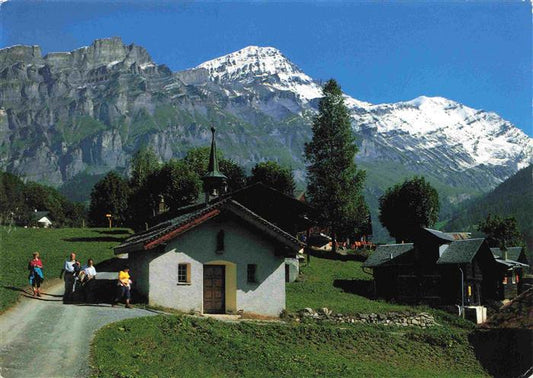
<point>46,338</point>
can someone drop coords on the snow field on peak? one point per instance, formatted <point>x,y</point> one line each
<point>472,137</point>
<point>265,62</point>
<point>438,122</point>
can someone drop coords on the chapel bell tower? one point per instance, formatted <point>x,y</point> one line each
<point>215,183</point>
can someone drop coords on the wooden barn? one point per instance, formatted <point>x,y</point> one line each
<point>513,266</point>
<point>434,268</point>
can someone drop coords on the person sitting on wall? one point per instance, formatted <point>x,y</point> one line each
<point>124,286</point>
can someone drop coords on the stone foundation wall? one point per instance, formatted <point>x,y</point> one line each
<point>399,319</point>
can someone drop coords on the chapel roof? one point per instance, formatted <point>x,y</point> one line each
<point>168,230</point>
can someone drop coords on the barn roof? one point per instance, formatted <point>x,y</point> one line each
<point>460,251</point>
<point>386,253</point>
<point>168,230</point>
<point>511,263</point>
<point>440,235</point>
<point>513,253</point>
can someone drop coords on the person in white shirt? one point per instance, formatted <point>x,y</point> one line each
<point>68,273</point>
<point>88,280</point>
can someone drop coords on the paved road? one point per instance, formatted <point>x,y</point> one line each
<point>46,338</point>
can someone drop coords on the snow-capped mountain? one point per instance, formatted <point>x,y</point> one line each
<point>262,65</point>
<point>472,137</point>
<point>427,133</point>
<point>87,111</point>
<point>268,67</point>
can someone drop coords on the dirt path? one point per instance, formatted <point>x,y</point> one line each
<point>46,338</point>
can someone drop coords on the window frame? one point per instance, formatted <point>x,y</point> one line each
<point>187,279</point>
<point>251,273</point>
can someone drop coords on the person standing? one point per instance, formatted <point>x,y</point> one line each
<point>88,280</point>
<point>124,285</point>
<point>68,272</point>
<point>36,277</point>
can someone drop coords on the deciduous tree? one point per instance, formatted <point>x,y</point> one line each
<point>109,196</point>
<point>198,159</point>
<point>177,183</point>
<point>274,175</point>
<point>143,163</point>
<point>501,232</point>
<point>406,207</point>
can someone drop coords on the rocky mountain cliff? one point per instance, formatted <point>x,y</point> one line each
<point>87,111</point>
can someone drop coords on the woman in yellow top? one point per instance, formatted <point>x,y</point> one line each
<point>124,284</point>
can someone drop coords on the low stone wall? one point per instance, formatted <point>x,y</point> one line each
<point>399,319</point>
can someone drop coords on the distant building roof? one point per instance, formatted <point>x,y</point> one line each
<point>386,253</point>
<point>460,251</point>
<point>441,235</point>
<point>511,263</point>
<point>460,235</point>
<point>513,253</point>
<point>36,215</point>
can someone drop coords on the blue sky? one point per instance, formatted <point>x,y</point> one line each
<point>477,53</point>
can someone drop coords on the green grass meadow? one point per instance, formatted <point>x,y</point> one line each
<point>181,346</point>
<point>335,284</point>
<point>178,345</point>
<point>54,245</point>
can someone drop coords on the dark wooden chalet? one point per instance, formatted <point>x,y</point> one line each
<point>286,212</point>
<point>434,268</point>
<point>513,265</point>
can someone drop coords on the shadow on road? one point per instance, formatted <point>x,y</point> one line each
<point>41,298</point>
<point>14,288</point>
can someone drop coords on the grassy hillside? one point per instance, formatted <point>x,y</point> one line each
<point>180,346</point>
<point>184,346</point>
<point>513,197</point>
<point>54,245</point>
<point>341,286</point>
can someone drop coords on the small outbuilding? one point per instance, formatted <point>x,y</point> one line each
<point>222,258</point>
<point>226,255</point>
<point>513,265</point>
<point>42,218</point>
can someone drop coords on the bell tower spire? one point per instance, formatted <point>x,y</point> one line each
<point>214,180</point>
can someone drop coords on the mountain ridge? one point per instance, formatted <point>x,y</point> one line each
<point>86,112</point>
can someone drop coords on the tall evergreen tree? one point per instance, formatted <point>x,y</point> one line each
<point>334,182</point>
